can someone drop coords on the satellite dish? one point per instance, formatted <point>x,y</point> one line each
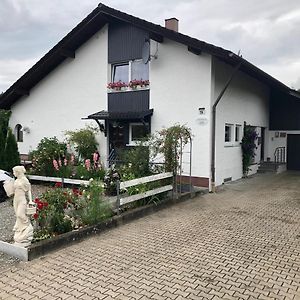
<point>146,52</point>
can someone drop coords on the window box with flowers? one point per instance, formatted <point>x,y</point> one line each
<point>117,86</point>
<point>138,84</point>
<point>124,76</point>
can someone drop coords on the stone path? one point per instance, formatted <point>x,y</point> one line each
<point>241,243</point>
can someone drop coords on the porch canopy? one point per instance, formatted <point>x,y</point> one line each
<point>120,115</point>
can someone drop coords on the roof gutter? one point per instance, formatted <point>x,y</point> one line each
<point>213,142</point>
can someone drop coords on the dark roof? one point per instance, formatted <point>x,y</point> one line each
<point>95,21</point>
<point>115,115</point>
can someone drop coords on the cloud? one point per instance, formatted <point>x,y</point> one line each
<point>266,31</point>
<point>12,69</point>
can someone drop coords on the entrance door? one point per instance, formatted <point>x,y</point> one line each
<point>293,152</point>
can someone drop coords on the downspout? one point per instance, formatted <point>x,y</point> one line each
<point>213,142</point>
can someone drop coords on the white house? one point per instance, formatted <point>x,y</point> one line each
<point>188,78</point>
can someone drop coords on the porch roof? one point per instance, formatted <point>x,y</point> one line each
<point>120,115</point>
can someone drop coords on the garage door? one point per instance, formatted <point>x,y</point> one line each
<point>293,152</point>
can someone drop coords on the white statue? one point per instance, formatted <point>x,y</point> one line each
<point>22,188</point>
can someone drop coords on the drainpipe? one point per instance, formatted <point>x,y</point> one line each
<point>213,144</point>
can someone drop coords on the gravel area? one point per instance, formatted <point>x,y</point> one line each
<point>7,221</point>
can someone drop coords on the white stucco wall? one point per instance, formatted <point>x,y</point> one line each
<point>75,89</point>
<point>246,99</point>
<point>180,83</point>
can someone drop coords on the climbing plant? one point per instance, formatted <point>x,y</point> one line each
<point>168,142</point>
<point>248,147</point>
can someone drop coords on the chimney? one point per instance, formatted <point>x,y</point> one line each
<point>172,24</point>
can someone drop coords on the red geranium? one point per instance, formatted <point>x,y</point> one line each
<point>35,216</point>
<point>58,184</point>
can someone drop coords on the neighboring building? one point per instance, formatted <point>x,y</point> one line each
<point>186,77</point>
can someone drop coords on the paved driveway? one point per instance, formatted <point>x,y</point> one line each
<point>241,243</point>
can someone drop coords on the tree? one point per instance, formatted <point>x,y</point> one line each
<point>11,154</point>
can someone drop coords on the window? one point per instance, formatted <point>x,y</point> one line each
<point>120,73</point>
<point>137,132</point>
<point>19,133</point>
<point>139,70</point>
<point>238,130</point>
<point>130,71</point>
<point>228,132</point>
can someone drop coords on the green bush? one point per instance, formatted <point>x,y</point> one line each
<point>95,209</point>
<point>84,142</point>
<point>48,149</point>
<point>136,160</point>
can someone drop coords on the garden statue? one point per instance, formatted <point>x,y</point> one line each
<point>22,191</point>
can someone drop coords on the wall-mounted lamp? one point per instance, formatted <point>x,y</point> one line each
<point>201,110</point>
<point>26,129</point>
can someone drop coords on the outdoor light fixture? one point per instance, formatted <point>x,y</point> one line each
<point>201,110</point>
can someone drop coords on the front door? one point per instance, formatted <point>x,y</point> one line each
<point>117,139</point>
<point>293,152</point>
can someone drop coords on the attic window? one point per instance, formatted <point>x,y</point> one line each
<point>120,73</point>
<point>133,70</point>
<point>19,133</point>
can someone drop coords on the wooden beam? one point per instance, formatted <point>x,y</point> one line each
<point>67,53</point>
<point>153,192</point>
<point>146,179</point>
<point>21,92</point>
<point>156,37</point>
<point>195,51</point>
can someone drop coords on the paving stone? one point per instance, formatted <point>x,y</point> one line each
<point>240,243</point>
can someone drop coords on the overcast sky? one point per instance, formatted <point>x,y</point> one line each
<point>266,31</point>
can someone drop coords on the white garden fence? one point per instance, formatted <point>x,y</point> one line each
<point>126,184</point>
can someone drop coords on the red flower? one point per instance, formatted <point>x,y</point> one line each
<point>58,184</point>
<point>75,192</point>
<point>37,200</point>
<point>40,205</point>
<point>35,216</point>
<point>45,204</point>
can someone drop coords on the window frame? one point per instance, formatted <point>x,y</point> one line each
<point>231,126</point>
<point>239,127</point>
<point>18,132</point>
<point>131,141</point>
<point>129,63</point>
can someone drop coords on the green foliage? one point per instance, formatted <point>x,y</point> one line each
<point>84,141</point>
<point>95,209</point>
<point>60,209</point>
<point>136,161</point>
<point>11,155</point>
<point>47,150</point>
<point>168,142</point>
<point>110,181</point>
<point>248,147</point>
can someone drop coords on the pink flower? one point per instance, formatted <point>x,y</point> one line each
<point>65,162</point>
<point>55,165</point>
<point>96,157</point>
<point>59,162</point>
<point>87,164</point>
<point>72,158</point>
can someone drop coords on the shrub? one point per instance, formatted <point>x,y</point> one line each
<point>94,209</point>
<point>48,149</point>
<point>84,142</point>
<point>110,181</point>
<point>168,142</point>
<point>136,161</point>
